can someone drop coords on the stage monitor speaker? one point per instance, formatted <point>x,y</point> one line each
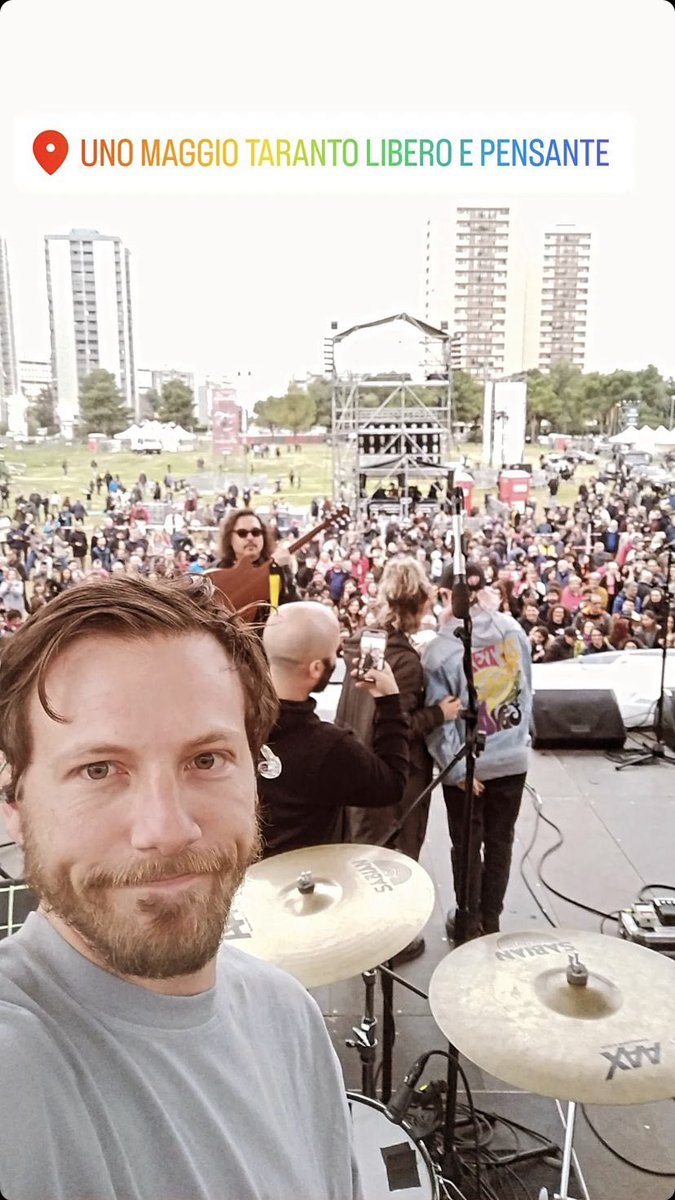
<point>669,717</point>
<point>583,720</point>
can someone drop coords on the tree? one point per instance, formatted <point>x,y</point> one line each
<point>152,401</point>
<point>654,396</point>
<point>177,404</point>
<point>467,397</point>
<point>300,411</point>
<point>567,385</point>
<point>542,403</point>
<point>321,391</point>
<point>270,413</point>
<point>42,413</point>
<point>102,408</point>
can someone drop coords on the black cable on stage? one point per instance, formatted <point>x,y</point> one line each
<point>512,1174</point>
<point>551,850</point>
<point>493,1159</point>
<point>622,1158</point>
<point>526,854</point>
<point>651,887</point>
<point>613,916</point>
<point>462,1074</point>
<point>446,1183</point>
<point>515,1125</point>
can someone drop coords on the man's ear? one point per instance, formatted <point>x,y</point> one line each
<point>12,814</point>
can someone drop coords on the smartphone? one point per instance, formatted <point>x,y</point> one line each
<point>371,653</point>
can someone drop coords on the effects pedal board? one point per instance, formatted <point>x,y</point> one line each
<point>650,923</point>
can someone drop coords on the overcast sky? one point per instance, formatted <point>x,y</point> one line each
<point>224,283</point>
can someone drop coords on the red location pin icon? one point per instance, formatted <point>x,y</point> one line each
<point>50,149</point>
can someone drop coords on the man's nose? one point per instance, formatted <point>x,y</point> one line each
<point>161,818</point>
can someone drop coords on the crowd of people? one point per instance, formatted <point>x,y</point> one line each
<point>583,578</point>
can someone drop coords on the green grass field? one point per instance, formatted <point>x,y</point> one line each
<point>40,468</point>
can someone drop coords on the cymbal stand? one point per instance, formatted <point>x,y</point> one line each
<point>365,1040</point>
<point>388,978</point>
<point>567,1156</point>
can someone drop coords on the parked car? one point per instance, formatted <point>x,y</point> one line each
<point>653,474</point>
<point>560,464</point>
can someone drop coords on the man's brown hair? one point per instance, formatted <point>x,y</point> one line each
<point>128,608</point>
<point>226,536</point>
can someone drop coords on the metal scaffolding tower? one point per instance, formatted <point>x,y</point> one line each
<point>403,425</point>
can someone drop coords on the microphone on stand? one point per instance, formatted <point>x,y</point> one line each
<point>460,590</point>
<point>401,1100</point>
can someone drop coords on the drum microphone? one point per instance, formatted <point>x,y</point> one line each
<point>460,590</point>
<point>400,1102</point>
<point>270,767</point>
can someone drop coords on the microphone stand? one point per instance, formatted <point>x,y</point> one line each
<point>474,743</point>
<point>387,976</point>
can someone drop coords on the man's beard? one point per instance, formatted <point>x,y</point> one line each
<point>322,683</point>
<point>155,937</point>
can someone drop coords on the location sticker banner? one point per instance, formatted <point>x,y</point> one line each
<point>396,154</point>
<point>51,150</point>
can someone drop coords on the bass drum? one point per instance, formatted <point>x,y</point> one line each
<point>390,1162</point>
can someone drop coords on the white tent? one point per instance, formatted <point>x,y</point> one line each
<point>156,435</point>
<point>128,435</point>
<point>626,437</point>
<point>663,436</point>
<point>645,438</point>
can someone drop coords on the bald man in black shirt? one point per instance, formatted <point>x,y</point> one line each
<point>324,768</point>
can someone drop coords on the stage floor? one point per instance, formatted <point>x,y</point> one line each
<point>619,829</point>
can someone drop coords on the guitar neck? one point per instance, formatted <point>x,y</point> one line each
<point>307,537</point>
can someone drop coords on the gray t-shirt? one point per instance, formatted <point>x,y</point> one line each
<point>113,1092</point>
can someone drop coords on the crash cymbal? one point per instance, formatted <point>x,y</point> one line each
<point>507,1003</point>
<point>330,912</point>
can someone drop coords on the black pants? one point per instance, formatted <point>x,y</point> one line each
<point>494,820</point>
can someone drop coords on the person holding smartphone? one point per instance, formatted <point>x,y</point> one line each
<point>404,597</point>
<point>324,767</point>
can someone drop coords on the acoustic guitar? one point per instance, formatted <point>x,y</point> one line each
<point>247,585</point>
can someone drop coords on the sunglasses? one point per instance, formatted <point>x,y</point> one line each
<point>244,533</point>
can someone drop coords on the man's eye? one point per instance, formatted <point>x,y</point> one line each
<point>207,760</point>
<point>98,770</point>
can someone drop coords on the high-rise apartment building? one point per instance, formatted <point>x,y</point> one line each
<point>90,315</point>
<point>563,305</point>
<point>9,374</point>
<point>513,293</point>
<point>476,280</point>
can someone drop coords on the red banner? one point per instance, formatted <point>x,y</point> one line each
<point>226,420</point>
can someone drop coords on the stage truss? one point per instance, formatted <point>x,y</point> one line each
<point>402,423</point>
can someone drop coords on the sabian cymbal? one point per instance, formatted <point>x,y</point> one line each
<point>356,908</point>
<point>506,1003</point>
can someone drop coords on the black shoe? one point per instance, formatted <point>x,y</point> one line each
<point>450,924</point>
<point>413,950</point>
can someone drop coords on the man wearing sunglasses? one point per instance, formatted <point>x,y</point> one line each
<point>244,538</point>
